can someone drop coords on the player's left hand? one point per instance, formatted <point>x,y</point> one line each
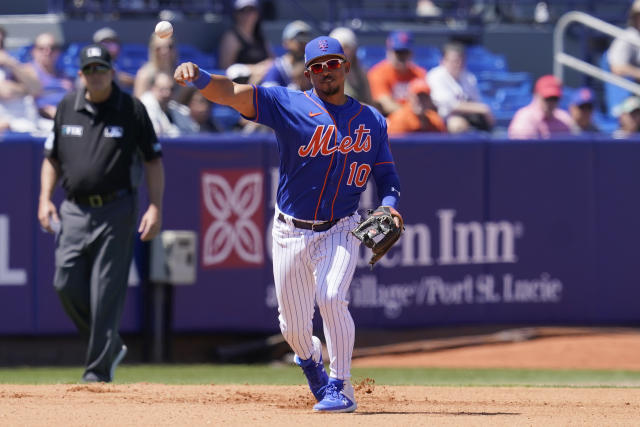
<point>397,218</point>
<point>379,231</point>
<point>186,72</point>
<point>150,224</point>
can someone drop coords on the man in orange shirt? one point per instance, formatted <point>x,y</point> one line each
<point>418,114</point>
<point>390,77</point>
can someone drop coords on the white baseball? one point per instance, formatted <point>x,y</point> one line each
<point>164,29</point>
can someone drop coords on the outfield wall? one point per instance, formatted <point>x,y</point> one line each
<point>498,232</point>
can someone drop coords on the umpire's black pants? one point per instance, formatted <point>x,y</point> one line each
<point>93,256</point>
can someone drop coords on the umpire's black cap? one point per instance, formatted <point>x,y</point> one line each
<point>95,54</point>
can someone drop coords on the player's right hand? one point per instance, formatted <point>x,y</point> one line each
<point>186,72</point>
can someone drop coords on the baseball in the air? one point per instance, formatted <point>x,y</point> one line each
<point>164,29</point>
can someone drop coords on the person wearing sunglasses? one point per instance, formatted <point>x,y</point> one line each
<point>54,85</point>
<point>101,138</point>
<point>542,118</point>
<point>330,145</point>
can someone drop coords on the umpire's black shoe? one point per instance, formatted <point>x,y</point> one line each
<point>91,377</point>
<point>121,354</point>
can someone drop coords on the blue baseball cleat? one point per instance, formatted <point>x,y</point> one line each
<point>338,397</point>
<point>313,369</point>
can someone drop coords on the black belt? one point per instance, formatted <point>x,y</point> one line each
<point>318,226</point>
<point>97,200</point>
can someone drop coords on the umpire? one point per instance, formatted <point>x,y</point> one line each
<point>100,140</point>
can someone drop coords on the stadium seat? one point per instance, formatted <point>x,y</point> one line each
<point>427,56</point>
<point>490,81</point>
<point>70,59</point>
<point>480,59</point>
<point>224,117</point>
<point>506,102</point>
<point>369,55</point>
<point>605,122</point>
<point>132,57</point>
<point>22,53</point>
<point>187,52</point>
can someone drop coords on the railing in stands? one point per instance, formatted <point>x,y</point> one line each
<point>563,59</point>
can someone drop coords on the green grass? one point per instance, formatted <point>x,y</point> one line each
<point>288,375</point>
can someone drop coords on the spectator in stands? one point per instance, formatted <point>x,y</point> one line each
<point>624,57</point>
<point>298,79</point>
<point>168,117</point>
<point>163,54</point>
<point>418,114</point>
<point>239,73</point>
<point>18,111</point>
<point>628,117</point>
<point>356,84</point>
<point>295,36</point>
<point>245,43</point>
<point>53,83</point>
<point>542,118</point>
<point>581,109</point>
<point>455,92</point>
<point>199,110</point>
<point>109,39</point>
<point>390,77</point>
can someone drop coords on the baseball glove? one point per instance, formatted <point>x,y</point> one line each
<point>379,232</point>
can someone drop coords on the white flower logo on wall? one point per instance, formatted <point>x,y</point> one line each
<point>232,218</point>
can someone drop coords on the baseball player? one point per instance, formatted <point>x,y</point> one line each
<point>329,146</point>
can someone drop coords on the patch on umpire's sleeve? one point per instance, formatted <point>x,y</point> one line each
<point>113,132</point>
<point>48,143</point>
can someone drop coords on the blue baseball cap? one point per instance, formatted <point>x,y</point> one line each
<point>582,96</point>
<point>399,40</point>
<point>322,46</point>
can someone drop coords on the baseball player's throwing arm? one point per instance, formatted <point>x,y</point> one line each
<point>216,88</point>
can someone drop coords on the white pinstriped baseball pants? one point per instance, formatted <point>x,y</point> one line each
<point>316,267</point>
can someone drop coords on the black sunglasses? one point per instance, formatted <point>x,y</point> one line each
<point>332,64</point>
<point>94,68</point>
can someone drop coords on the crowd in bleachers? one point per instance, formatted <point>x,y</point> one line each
<point>455,88</point>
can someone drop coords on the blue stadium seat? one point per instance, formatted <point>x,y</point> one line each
<point>132,57</point>
<point>71,59</point>
<point>22,53</point>
<point>490,81</point>
<point>369,55</point>
<point>486,62</point>
<point>187,52</point>
<point>605,122</point>
<point>224,117</point>
<point>506,102</point>
<point>427,56</point>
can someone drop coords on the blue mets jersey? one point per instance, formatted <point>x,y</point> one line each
<point>327,153</point>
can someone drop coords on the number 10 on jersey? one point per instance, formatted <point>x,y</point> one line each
<point>358,174</point>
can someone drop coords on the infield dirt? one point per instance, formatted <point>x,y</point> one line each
<point>144,404</point>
